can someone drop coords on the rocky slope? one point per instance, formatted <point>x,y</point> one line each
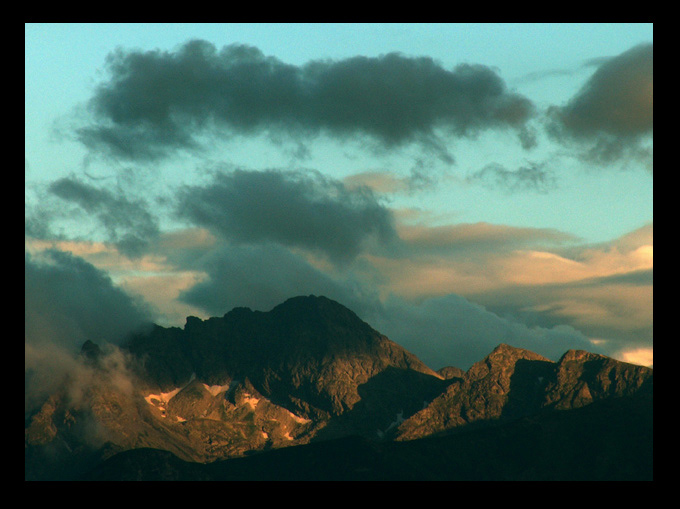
<point>609,440</point>
<point>511,383</point>
<point>308,371</point>
<point>248,381</point>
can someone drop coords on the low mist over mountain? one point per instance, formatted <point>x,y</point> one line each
<point>308,391</point>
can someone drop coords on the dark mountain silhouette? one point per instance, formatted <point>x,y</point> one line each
<point>310,391</point>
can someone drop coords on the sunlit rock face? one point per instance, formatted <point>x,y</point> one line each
<point>307,371</point>
<point>512,382</point>
<point>248,381</point>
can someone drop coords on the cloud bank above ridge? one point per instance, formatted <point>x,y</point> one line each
<point>276,233</point>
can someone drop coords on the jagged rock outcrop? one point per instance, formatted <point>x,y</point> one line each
<point>308,369</point>
<point>310,355</point>
<point>449,372</point>
<point>511,383</point>
<point>582,377</point>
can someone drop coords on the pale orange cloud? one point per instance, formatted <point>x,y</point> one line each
<point>477,236</point>
<point>153,276</point>
<point>102,255</point>
<point>605,290</point>
<point>641,356</point>
<point>163,292</point>
<point>474,258</point>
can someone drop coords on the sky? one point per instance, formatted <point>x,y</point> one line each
<point>455,185</point>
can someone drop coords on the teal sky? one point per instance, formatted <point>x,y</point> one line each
<point>545,62</point>
<point>533,206</point>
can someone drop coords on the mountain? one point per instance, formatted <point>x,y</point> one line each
<point>310,379</point>
<point>610,440</point>
<point>511,382</point>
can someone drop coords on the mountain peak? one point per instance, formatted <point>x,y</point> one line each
<point>308,370</point>
<point>311,304</point>
<point>579,355</point>
<point>505,354</point>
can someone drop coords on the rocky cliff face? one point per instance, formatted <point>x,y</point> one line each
<point>248,381</point>
<point>310,355</point>
<point>511,383</point>
<point>307,371</point>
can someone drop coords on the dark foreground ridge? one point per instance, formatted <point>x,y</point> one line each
<point>606,441</point>
<point>308,391</point>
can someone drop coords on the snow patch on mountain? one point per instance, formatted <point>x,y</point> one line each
<point>298,419</point>
<point>161,399</point>
<point>217,389</point>
<point>251,400</point>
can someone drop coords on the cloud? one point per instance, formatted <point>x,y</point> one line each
<point>378,181</point>
<point>480,258</point>
<point>170,265</point>
<point>52,370</point>
<point>613,114</point>
<point>453,331</point>
<point>157,101</point>
<point>615,312</point>
<point>446,330</point>
<point>68,301</point>
<point>261,277</point>
<point>293,208</point>
<point>604,291</point>
<point>525,178</point>
<point>472,238</point>
<point>129,223</point>
<point>551,73</point>
<point>540,278</point>
<point>421,177</point>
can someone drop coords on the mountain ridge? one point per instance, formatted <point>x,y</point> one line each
<point>308,371</point>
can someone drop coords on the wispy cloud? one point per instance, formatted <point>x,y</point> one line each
<point>480,238</point>
<point>453,331</point>
<point>128,223</point>
<point>552,73</point>
<point>532,178</point>
<point>539,278</point>
<point>68,301</point>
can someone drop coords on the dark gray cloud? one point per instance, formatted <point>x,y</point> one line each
<point>68,301</point>
<point>614,110</point>
<point>533,177</point>
<point>128,223</point>
<point>261,277</point>
<point>155,101</point>
<point>293,208</point>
